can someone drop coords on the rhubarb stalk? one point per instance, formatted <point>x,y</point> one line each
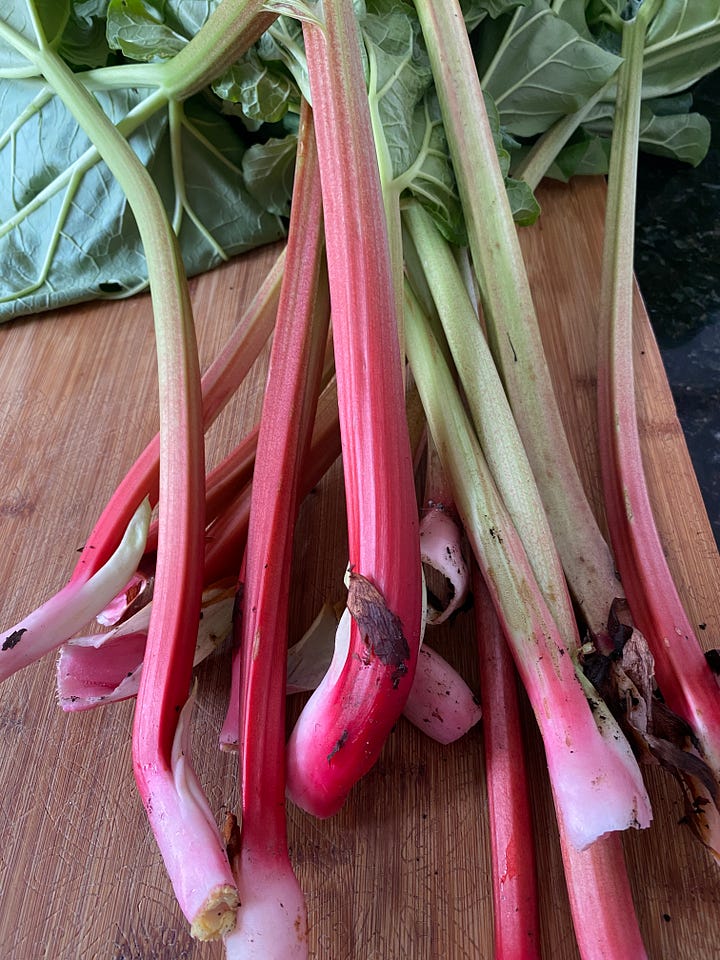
<point>346,721</point>
<point>595,779</point>
<point>510,314</point>
<point>687,684</point>
<point>271,920</point>
<point>514,881</point>
<point>177,809</point>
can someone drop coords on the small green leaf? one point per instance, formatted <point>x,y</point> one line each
<point>587,155</point>
<point>137,28</point>
<point>264,95</point>
<point>524,206</point>
<point>268,170</point>
<point>84,41</point>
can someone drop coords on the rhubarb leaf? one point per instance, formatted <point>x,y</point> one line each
<point>538,68</point>
<point>684,136</point>
<point>50,17</point>
<point>84,39</point>
<point>283,43</point>
<point>474,11</point>
<point>137,28</point>
<point>67,233</point>
<point>682,45</point>
<point>261,94</point>
<point>586,155</point>
<point>268,170</point>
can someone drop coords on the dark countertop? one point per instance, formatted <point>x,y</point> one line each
<point>677,262</point>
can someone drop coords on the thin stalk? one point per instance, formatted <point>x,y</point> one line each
<point>272,919</point>
<point>510,314</point>
<point>687,684</point>
<point>176,806</point>
<point>596,782</point>
<point>541,156</point>
<point>514,876</point>
<point>345,723</point>
<point>601,902</point>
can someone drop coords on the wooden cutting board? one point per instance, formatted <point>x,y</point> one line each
<point>403,871</point>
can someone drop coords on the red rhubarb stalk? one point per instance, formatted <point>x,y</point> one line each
<point>271,919</point>
<point>514,880</point>
<point>687,684</point>
<point>345,723</point>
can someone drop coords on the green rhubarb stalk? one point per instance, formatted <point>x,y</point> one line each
<point>178,811</point>
<point>510,314</point>
<point>491,414</point>
<point>595,779</point>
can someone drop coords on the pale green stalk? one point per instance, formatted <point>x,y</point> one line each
<point>595,779</point>
<point>491,414</point>
<point>510,314</point>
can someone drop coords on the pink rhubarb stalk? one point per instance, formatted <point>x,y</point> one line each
<point>687,684</point>
<point>344,724</point>
<point>271,919</point>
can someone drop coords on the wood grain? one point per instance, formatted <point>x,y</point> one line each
<point>402,871</point>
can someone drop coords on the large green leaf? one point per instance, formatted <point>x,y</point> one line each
<point>67,233</point>
<point>41,22</point>
<point>538,68</point>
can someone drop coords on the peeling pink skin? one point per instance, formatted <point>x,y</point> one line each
<point>87,678</point>
<point>441,548</point>
<point>51,624</point>
<point>342,729</point>
<point>130,596</point>
<point>106,668</point>
<point>440,702</point>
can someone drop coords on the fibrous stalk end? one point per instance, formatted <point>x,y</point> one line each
<point>217,916</point>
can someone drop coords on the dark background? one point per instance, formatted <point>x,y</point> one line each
<point>677,262</point>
